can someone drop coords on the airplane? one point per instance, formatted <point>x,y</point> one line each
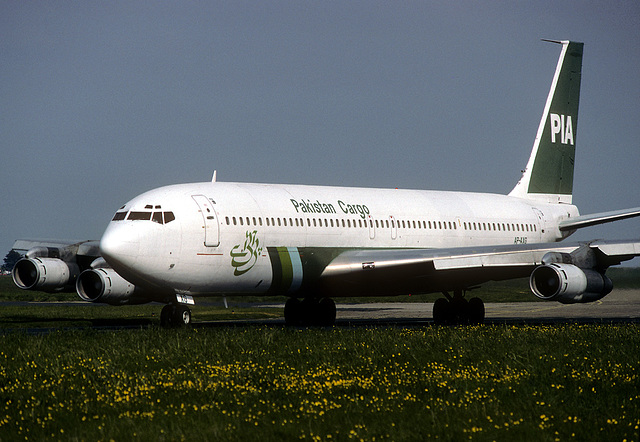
<point>178,243</point>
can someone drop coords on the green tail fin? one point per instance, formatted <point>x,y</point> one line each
<point>548,176</point>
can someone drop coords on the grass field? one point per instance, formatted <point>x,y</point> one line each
<point>498,382</point>
<point>560,382</point>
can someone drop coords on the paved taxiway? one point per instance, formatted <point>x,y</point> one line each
<point>618,306</point>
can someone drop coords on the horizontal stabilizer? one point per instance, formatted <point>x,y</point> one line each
<point>598,218</point>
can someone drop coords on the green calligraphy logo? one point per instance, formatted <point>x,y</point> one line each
<point>243,259</point>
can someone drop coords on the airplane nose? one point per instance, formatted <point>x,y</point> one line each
<point>120,246</point>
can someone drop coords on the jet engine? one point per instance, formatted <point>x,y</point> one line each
<point>568,283</point>
<point>106,286</point>
<point>45,274</point>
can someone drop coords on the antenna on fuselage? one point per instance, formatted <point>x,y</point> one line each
<point>214,177</point>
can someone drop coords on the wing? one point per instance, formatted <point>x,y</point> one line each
<point>89,249</point>
<point>413,271</point>
<point>52,265</point>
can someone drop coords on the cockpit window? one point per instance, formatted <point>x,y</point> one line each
<point>135,216</point>
<point>157,217</point>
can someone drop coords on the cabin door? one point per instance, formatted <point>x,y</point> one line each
<point>210,220</point>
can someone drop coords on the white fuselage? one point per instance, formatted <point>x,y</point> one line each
<point>223,233</point>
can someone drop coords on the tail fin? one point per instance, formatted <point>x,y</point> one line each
<point>548,176</point>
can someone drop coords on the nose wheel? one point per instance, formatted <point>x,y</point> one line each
<point>175,315</point>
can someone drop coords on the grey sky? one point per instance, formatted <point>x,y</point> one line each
<point>104,100</point>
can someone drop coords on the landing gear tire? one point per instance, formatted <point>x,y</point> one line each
<point>175,315</point>
<point>441,311</point>
<point>475,311</point>
<point>293,311</point>
<point>457,310</point>
<point>327,312</point>
<point>310,311</point>
<point>182,315</point>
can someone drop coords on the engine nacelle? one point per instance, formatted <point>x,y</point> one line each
<point>569,284</point>
<point>106,286</point>
<point>45,274</point>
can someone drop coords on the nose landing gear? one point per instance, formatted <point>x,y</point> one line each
<point>175,315</point>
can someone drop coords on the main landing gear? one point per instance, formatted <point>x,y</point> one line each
<point>175,315</point>
<point>457,310</point>
<point>310,311</point>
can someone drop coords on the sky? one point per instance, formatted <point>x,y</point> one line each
<point>101,101</point>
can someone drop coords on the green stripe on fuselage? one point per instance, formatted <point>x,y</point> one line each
<point>286,266</point>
